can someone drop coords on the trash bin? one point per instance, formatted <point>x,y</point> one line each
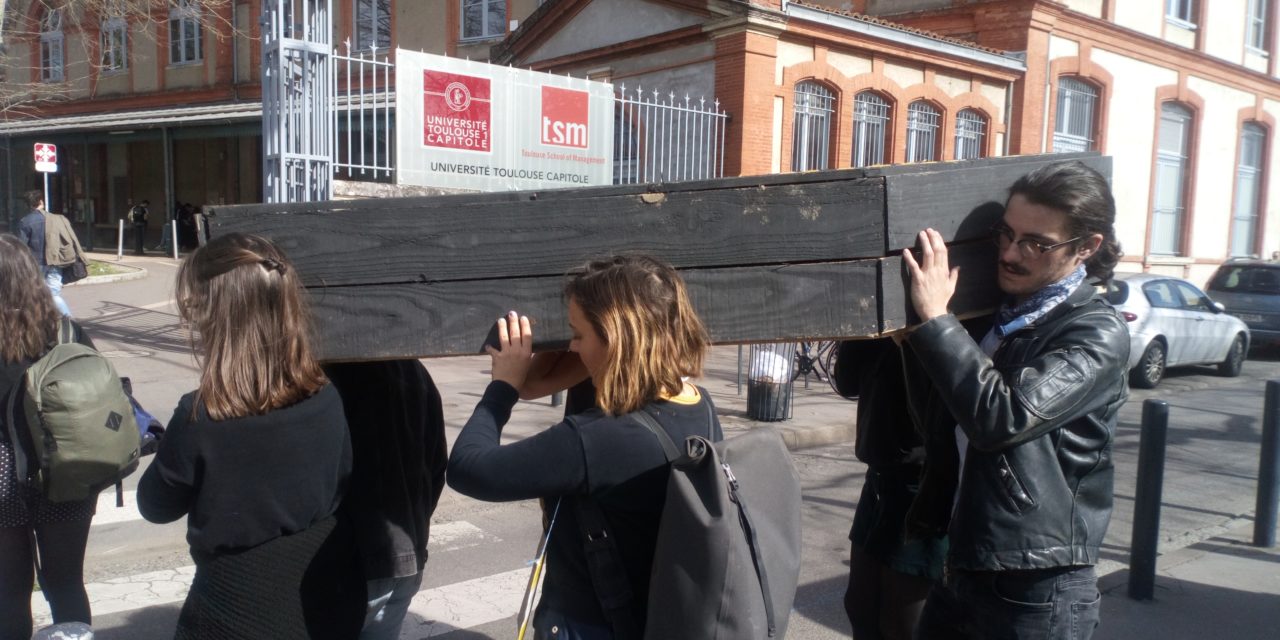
<point>769,382</point>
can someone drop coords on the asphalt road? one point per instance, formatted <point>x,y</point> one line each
<point>138,572</point>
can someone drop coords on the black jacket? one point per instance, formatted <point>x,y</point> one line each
<point>1040,416</point>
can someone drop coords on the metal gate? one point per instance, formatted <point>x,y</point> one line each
<point>297,88</point>
<point>657,140</point>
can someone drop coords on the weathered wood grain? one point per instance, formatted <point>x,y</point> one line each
<point>738,305</point>
<point>726,227</point>
<point>960,199</point>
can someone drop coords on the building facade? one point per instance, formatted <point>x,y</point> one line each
<point>166,106</point>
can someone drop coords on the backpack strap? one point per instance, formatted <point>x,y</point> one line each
<point>66,331</point>
<point>608,574</point>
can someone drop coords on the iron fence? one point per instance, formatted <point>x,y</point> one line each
<point>364,103</point>
<point>657,140</point>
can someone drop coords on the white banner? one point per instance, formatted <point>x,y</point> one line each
<point>471,125</point>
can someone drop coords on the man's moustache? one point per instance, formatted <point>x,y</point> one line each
<point>1022,271</point>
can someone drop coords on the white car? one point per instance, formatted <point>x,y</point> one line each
<point>1173,323</point>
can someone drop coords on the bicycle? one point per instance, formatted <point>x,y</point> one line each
<point>816,358</point>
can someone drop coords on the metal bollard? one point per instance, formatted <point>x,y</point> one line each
<point>557,398</point>
<point>120,243</point>
<point>1264,522</point>
<point>1146,507</point>
<point>739,370</point>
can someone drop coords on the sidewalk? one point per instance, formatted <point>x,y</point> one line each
<point>1222,587</point>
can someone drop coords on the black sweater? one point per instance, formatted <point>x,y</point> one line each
<point>397,439</point>
<point>246,481</point>
<point>615,460</point>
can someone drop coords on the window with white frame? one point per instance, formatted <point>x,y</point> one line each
<point>1181,12</point>
<point>1244,220</point>
<point>1255,34</point>
<point>51,46</point>
<point>1074,122</point>
<point>114,36</point>
<point>870,128</point>
<point>811,129</point>
<point>1169,207</point>
<point>923,120</point>
<point>186,38</point>
<point>971,131</point>
<point>373,24</point>
<point>484,19</point>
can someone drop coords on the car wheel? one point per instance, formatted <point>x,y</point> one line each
<point>1150,367</point>
<point>1235,359</point>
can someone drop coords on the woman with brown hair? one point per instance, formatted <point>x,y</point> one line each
<point>256,457</point>
<point>636,334</point>
<point>29,325</point>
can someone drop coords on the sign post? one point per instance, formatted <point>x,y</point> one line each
<point>46,163</point>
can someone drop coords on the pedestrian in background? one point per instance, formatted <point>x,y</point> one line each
<point>635,331</point>
<point>29,522</point>
<point>138,218</point>
<point>256,458</point>
<point>1035,402</point>
<point>394,412</point>
<point>32,231</point>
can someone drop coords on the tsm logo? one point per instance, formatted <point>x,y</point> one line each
<point>564,117</point>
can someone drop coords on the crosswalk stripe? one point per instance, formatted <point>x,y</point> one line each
<point>463,605</point>
<point>109,513</point>
<point>432,612</point>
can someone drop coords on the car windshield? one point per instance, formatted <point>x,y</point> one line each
<point>1246,279</point>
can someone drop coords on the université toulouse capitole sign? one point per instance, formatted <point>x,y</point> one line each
<point>471,125</point>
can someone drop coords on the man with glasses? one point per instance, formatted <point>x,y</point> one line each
<point>1036,402</point>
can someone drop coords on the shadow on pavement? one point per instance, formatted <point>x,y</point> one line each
<point>1186,609</point>
<point>156,621</point>
<point>822,603</point>
<point>140,329</point>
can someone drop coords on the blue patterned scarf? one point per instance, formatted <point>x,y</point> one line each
<point>1012,318</point>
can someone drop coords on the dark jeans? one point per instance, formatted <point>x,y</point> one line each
<point>139,237</point>
<point>553,625</point>
<point>1053,604</point>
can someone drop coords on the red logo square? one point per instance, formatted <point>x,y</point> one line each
<point>456,111</point>
<point>564,117</point>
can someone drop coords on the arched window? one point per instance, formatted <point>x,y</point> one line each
<point>923,120</point>
<point>51,46</point>
<point>870,128</point>
<point>971,132</point>
<point>1244,219</point>
<point>114,36</point>
<point>1074,125</point>
<point>186,39</point>
<point>1170,204</point>
<point>811,131</point>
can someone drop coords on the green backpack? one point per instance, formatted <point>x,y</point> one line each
<point>80,433</point>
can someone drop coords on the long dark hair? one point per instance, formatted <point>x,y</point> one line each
<point>251,331</point>
<point>28,318</point>
<point>1085,197</point>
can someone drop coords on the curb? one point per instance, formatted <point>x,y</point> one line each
<point>795,437</point>
<point>135,273</point>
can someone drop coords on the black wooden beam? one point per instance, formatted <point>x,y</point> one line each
<point>738,305</point>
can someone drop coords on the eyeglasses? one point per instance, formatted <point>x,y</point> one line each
<point>1030,249</point>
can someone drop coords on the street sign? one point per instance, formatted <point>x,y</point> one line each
<point>46,157</point>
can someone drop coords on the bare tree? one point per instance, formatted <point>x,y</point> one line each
<point>98,28</point>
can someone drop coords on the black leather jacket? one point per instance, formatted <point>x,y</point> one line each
<point>1040,417</point>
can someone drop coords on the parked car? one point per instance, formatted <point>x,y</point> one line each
<point>1173,323</point>
<point>1250,290</point>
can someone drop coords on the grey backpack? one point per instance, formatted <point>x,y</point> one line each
<point>727,559</point>
<point>80,433</point>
